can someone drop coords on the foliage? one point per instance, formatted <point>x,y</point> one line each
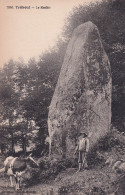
<point>48,169</point>
<point>26,93</point>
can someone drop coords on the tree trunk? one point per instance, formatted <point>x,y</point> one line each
<point>12,144</point>
<point>12,138</point>
<point>41,139</point>
<point>24,144</point>
<point>2,147</point>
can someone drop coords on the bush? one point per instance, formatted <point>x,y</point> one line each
<point>48,169</point>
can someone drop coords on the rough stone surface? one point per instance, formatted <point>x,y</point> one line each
<point>82,98</point>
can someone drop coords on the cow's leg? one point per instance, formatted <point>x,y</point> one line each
<point>11,181</point>
<point>17,187</point>
<point>17,183</point>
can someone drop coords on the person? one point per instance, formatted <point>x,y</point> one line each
<point>82,148</point>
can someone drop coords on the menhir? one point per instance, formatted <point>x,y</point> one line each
<point>82,98</point>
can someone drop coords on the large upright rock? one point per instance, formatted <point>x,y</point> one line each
<point>82,98</point>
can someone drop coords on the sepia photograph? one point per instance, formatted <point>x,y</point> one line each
<point>62,97</point>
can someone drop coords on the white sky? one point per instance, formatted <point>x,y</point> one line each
<point>27,33</point>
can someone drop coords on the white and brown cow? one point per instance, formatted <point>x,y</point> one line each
<point>16,167</point>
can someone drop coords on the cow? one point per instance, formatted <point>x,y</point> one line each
<point>16,167</point>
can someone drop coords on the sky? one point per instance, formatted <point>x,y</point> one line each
<point>27,33</point>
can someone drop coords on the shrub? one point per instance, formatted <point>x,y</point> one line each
<point>48,169</point>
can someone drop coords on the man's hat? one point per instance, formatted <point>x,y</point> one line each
<point>83,133</point>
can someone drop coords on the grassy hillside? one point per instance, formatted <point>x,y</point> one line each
<point>62,178</point>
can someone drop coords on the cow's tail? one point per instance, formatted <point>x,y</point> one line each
<point>2,170</point>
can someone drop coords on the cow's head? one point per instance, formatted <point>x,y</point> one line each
<point>32,162</point>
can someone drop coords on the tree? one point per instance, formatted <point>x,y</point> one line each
<point>8,101</point>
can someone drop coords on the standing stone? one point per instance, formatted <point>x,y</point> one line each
<point>82,98</point>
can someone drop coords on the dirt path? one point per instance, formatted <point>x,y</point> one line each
<point>40,189</point>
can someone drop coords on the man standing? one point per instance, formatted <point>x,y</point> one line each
<point>82,148</point>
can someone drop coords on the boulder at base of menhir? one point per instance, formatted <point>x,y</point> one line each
<point>82,98</point>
